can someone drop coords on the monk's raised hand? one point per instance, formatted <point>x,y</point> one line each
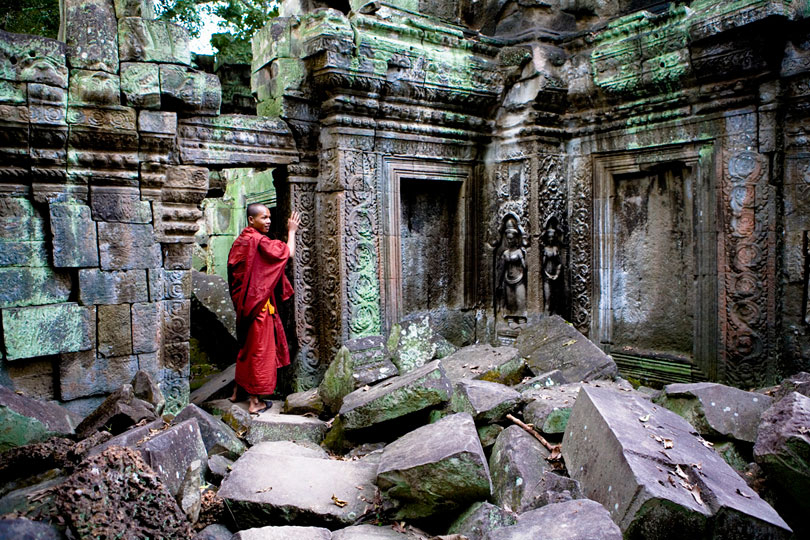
<point>294,222</point>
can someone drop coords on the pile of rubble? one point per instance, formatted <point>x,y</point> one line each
<point>411,438</point>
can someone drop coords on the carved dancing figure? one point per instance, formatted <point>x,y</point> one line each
<point>511,270</point>
<point>551,240</point>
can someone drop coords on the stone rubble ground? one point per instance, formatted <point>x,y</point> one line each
<point>434,449</point>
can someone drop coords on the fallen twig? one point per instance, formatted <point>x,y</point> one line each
<point>553,448</point>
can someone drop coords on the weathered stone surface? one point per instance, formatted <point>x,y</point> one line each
<point>217,386</point>
<point>21,222</point>
<point>112,287</point>
<point>36,59</point>
<point>642,462</point>
<point>481,518</point>
<point>177,256</point>
<point>213,320</point>
<point>189,91</point>
<point>288,532</point>
<point>74,236</point>
<point>214,532</point>
<point>31,254</point>
<point>124,246</point>
<point>800,382</point>
<point>487,363</point>
<point>135,8</point>
<point>44,330</point>
<point>26,420</point>
<point>285,427</point>
<point>552,343</point>
<point>172,451</point>
<point>91,32</point>
<point>25,529</point>
<point>143,40</point>
<point>548,408</point>
<point>117,413</point>
<point>414,343</point>
<point>140,85</point>
<point>422,388</point>
<point>304,403</point>
<point>114,330</point>
<point>300,448</point>
<point>716,410</point>
<point>188,496</point>
<point>267,487</point>
<point>544,380</point>
<point>132,437</point>
<point>371,359</point>
<point>217,436</point>
<point>218,468</point>
<point>435,468</point>
<point>370,532</point>
<point>83,374</point>
<point>518,466</point>
<point>782,447</point>
<point>93,88</point>
<point>146,388</point>
<point>120,204</point>
<point>572,520</point>
<point>145,327</point>
<point>31,286</point>
<point>338,381</point>
<point>211,293</point>
<point>488,434</point>
<point>487,402</point>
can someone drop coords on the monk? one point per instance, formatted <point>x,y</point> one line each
<point>255,267</point>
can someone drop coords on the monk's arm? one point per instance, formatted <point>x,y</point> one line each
<point>292,227</point>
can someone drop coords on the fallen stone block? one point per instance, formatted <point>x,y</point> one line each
<point>267,488</point>
<point>544,380</point>
<point>517,464</point>
<point>218,386</point>
<point>145,388</point>
<point>132,437</point>
<point>487,402</point>
<point>782,447</point>
<point>800,382</point>
<point>435,468</point>
<point>213,320</point>
<point>371,532</point>
<point>26,529</point>
<point>218,468</point>
<point>285,427</point>
<point>394,398</point>
<point>371,359</point>
<point>643,464</point>
<point>289,448</point>
<point>480,519</point>
<point>217,436</point>
<point>572,520</point>
<point>413,343</point>
<point>188,496</point>
<point>117,413</point>
<point>338,380</point>
<point>34,498</point>
<point>716,410</point>
<point>214,531</point>
<point>172,451</point>
<point>552,343</point>
<point>26,420</point>
<point>487,363</point>
<point>308,402</point>
<point>288,532</point>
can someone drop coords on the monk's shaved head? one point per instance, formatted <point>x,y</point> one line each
<point>254,209</point>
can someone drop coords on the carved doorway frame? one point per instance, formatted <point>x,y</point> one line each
<point>397,170</point>
<point>699,157</point>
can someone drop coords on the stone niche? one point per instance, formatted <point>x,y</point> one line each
<point>654,266</point>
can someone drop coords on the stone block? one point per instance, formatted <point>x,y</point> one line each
<point>338,380</point>
<point>307,402</point>
<point>716,410</point>
<point>177,284</point>
<point>301,448</point>
<point>119,123</point>
<point>144,40</point>
<point>285,427</point>
<point>487,363</point>
<point>782,447</point>
<point>517,464</point>
<point>544,380</point>
<point>26,528</point>
<point>371,359</point>
<point>218,468</point>
<point>124,246</point>
<point>120,204</point>
<point>33,59</point>
<point>551,343</point>
<point>13,93</point>
<point>175,322</point>
<point>189,91</point>
<point>145,327</point>
<point>217,436</point>
<point>415,391</point>
<point>131,437</point>
<point>94,88</point>
<point>74,236</point>
<point>264,488</point>
<point>31,254</point>
<point>112,287</point>
<point>176,256</point>
<point>479,519</point>
<point>91,33</point>
<point>189,495</point>
<point>20,221</point>
<point>414,343</point>
<point>23,286</point>
<point>114,330</point>
<point>157,122</point>
<point>657,480</point>
<point>42,330</point>
<point>284,532</point>
<point>135,8</point>
<point>572,520</point>
<point>116,414</point>
<point>170,453</point>
<point>34,377</point>
<point>436,468</point>
<point>146,388</point>
<point>174,384</point>
<point>217,386</point>
<point>187,177</point>
<point>27,420</point>
<point>214,532</point>
<point>83,374</point>
<point>487,402</point>
<point>140,85</point>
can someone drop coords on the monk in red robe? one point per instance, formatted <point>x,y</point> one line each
<point>255,267</point>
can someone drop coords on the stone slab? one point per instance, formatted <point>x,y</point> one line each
<point>171,452</point>
<point>481,518</point>
<point>189,91</point>
<point>371,360</point>
<point>156,41</point>
<point>285,427</point>
<point>43,330</point>
<point>517,464</point>
<point>112,287</point>
<point>31,254</point>
<point>140,85</point>
<point>125,246</point>
<point>91,32</point>
<point>74,236</point>
<point>219,385</point>
<point>289,448</point>
<point>572,520</point>
<point>288,532</point>
<point>396,397</point>
<point>268,488</point>
<point>485,362</point>
<point>83,374</point>
<point>27,420</point>
<point>487,402</point>
<point>435,468</point>
<point>217,436</point>
<point>20,286</point>
<point>643,464</point>
<point>371,532</point>
<point>338,380</point>
<point>551,343</point>
<point>120,204</point>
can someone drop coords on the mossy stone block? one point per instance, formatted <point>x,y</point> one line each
<point>42,330</point>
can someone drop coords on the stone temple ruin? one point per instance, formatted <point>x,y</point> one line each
<point>639,168</point>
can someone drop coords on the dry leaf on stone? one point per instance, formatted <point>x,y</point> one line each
<point>695,491</point>
<point>680,472</point>
<point>339,502</point>
<point>644,418</point>
<point>265,490</point>
<point>399,527</point>
<point>569,342</point>
<point>668,443</point>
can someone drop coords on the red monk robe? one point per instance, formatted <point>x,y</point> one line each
<point>255,266</point>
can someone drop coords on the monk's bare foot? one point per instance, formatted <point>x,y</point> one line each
<point>232,399</point>
<point>256,405</point>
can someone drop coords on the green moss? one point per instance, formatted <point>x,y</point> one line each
<point>18,430</point>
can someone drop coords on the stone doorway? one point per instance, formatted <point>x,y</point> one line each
<point>655,258</point>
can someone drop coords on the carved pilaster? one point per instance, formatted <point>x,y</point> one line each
<point>580,197</point>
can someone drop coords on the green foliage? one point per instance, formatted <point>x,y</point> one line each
<point>37,17</point>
